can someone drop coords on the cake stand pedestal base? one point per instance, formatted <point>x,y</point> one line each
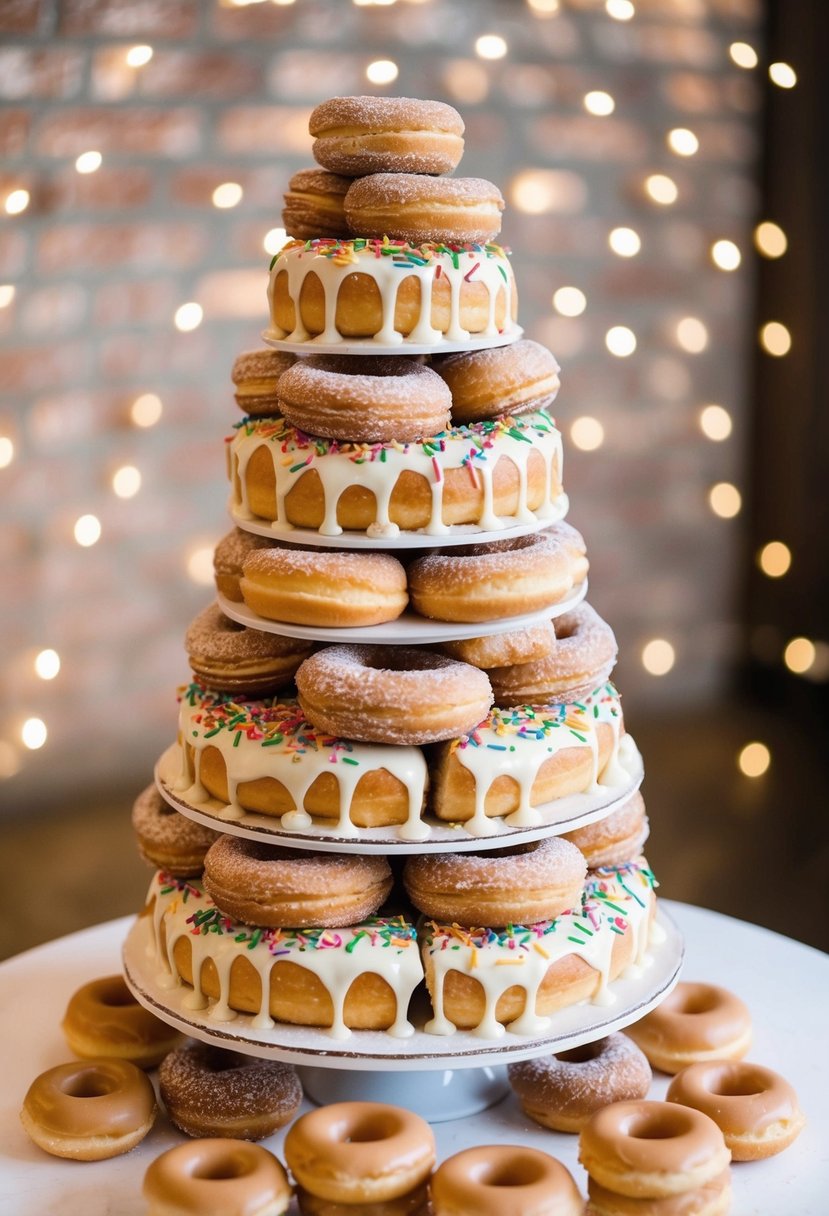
<point>438,1095</point>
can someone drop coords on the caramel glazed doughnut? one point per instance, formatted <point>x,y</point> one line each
<point>229,657</point>
<point>104,1020</point>
<point>216,1176</point>
<point>695,1022</point>
<point>358,135</point>
<point>503,1180</point>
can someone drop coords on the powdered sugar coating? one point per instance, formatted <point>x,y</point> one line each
<point>382,113</point>
<point>412,207</point>
<point>330,565</point>
<point>618,838</point>
<point>502,379</point>
<point>214,638</point>
<point>584,655</point>
<point>504,649</point>
<point>553,860</point>
<point>576,1083</point>
<point>358,135</point>
<point>168,839</point>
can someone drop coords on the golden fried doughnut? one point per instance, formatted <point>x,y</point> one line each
<point>166,839</point>
<point>229,557</point>
<point>500,380</point>
<point>504,649</point>
<point>572,541</point>
<point>615,839</point>
<point>216,1176</point>
<point>582,659</point>
<point>255,375</point>
<point>696,1022</point>
<point>229,657</point>
<point>314,204</point>
<point>504,1180</point>
<point>711,1199</point>
<point>414,208</point>
<point>103,1020</point>
<point>357,135</point>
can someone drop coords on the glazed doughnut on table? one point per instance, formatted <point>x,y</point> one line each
<point>517,886</point>
<point>504,1180</point>
<point>360,1152</point>
<point>695,1023</point>
<point>414,208</point>
<point>391,694</point>
<point>562,1091</point>
<point>755,1108</point>
<point>220,1177</point>
<point>103,1020</point>
<point>378,400</point>
<point>211,1091</point>
<point>89,1110</point>
<point>357,135</point>
<point>229,657</point>
<point>523,645</point>
<point>314,204</point>
<point>500,380</point>
<point>711,1199</point>
<point>255,375</point>
<point>229,558</point>
<point>262,884</point>
<point>615,839</point>
<point>166,839</point>
<point>334,589</point>
<point>583,657</point>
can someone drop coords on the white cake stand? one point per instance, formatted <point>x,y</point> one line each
<point>369,346</point>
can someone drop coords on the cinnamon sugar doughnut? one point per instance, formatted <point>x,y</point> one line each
<point>563,1090</point>
<point>504,1180</point>
<point>711,1199</point>
<point>357,135</point>
<point>391,694</point>
<point>262,884</point>
<point>103,1020</point>
<point>582,659</point>
<point>229,557</point>
<point>414,208</point>
<point>167,839</point>
<point>229,657</point>
<point>500,380</point>
<point>520,885</point>
<point>696,1022</point>
<point>226,1177</point>
<point>255,375</point>
<point>572,541</point>
<point>212,1091</point>
<point>314,204</point>
<point>365,400</point>
<point>615,839</point>
<point>524,645</point>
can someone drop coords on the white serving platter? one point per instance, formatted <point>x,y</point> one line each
<point>368,346</point>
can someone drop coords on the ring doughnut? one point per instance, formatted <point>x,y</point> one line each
<point>360,1152</point>
<point>582,659</point>
<point>524,645</point>
<point>357,135</point>
<point>103,1020</point>
<point>614,840</point>
<point>211,1091</point>
<point>501,380</point>
<point>416,1203</point>
<point>755,1108</point>
<point>166,839</point>
<point>228,657</point>
<point>361,400</point>
<point>711,1199</point>
<point>412,207</point>
<point>255,374</point>
<point>391,694</point>
<point>229,557</point>
<point>314,204</point>
<point>218,1176</point>
<point>562,1091</point>
<point>504,1180</point>
<point>516,886</point>
<point>268,885</point>
<point>695,1023</point>
<point>89,1111</point>
<point>646,1150</point>
<point>573,542</point>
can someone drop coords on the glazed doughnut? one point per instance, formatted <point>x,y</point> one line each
<point>89,1111</point>
<point>262,884</point>
<point>504,1180</point>
<point>524,645</point>
<point>360,1152</point>
<point>229,657</point>
<point>391,694</point>
<point>617,838</point>
<point>711,1199</point>
<point>416,1203</point>
<point>755,1108</point>
<point>166,839</point>
<point>229,557</point>
<point>582,659</point>
<point>517,886</point>
<point>226,1177</point>
<point>314,204</point>
<point>357,135</point>
<point>210,1091</point>
<point>361,400</point>
<point>651,1150</point>
<point>695,1023</point>
<point>483,582</point>
<point>104,1020</point>
<point>255,374</point>
<point>501,380</point>
<point>414,208</point>
<point>336,588</point>
<point>562,1091</point>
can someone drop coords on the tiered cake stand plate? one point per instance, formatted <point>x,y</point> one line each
<point>368,346</point>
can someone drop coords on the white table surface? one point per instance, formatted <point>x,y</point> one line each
<point>784,983</point>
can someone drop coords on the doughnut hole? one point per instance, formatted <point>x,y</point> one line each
<point>371,1128</point>
<point>665,1124</point>
<point>226,1168</point>
<point>700,1000</point>
<point>583,1054</point>
<point>116,994</point>
<point>521,1171</point>
<point>89,1083</point>
<point>728,1082</point>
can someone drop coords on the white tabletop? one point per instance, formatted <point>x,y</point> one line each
<point>784,983</point>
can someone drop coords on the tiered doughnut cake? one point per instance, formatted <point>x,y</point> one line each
<point>396,486</point>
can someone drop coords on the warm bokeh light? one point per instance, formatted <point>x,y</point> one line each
<point>658,657</point>
<point>87,530</point>
<point>620,10</point>
<point>544,8</point>
<point>146,410</point>
<point>775,559</point>
<point>725,500</point>
<point>200,565</point>
<point>6,451</point>
<point>770,239</point>
<point>7,294</point>
<point>599,103</point>
<point>16,201</point>
<point>775,339</point>
<point>661,189</point>
<point>33,733</point>
<point>743,55</point>
<point>490,46</point>
<point>587,433</point>
<point>799,655</point>
<point>682,141</point>
<point>227,195</point>
<point>783,75</point>
<point>692,335</point>
<point>538,191</point>
<point>274,240</point>
<point>89,162</point>
<point>47,664</point>
<point>620,341</point>
<point>9,760</point>
<point>382,71</point>
<point>754,759</point>
<point>188,316</point>
<point>715,422</point>
<point>126,481</point>
<point>726,255</point>
<point>625,242</point>
<point>137,56</point>
<point>569,301</point>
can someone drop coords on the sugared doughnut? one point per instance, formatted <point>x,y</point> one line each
<point>255,375</point>
<point>167,839</point>
<point>391,694</point>
<point>229,657</point>
<point>229,557</point>
<point>212,1091</point>
<point>696,1022</point>
<point>617,838</point>
<point>755,1108</point>
<point>564,534</point>
<point>504,649</point>
<point>583,657</point>
<point>504,1180</point>
<point>711,1199</point>
<point>262,884</point>
<point>500,380</point>
<point>376,400</point>
<point>89,1110</point>
<point>360,1152</point>
<point>336,588</point>
<point>484,582</point>
<point>221,1177</point>
<point>103,1020</point>
<point>357,135</point>
<point>314,204</point>
<point>517,886</point>
<point>562,1091</point>
<point>651,1150</point>
<point>414,208</point>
